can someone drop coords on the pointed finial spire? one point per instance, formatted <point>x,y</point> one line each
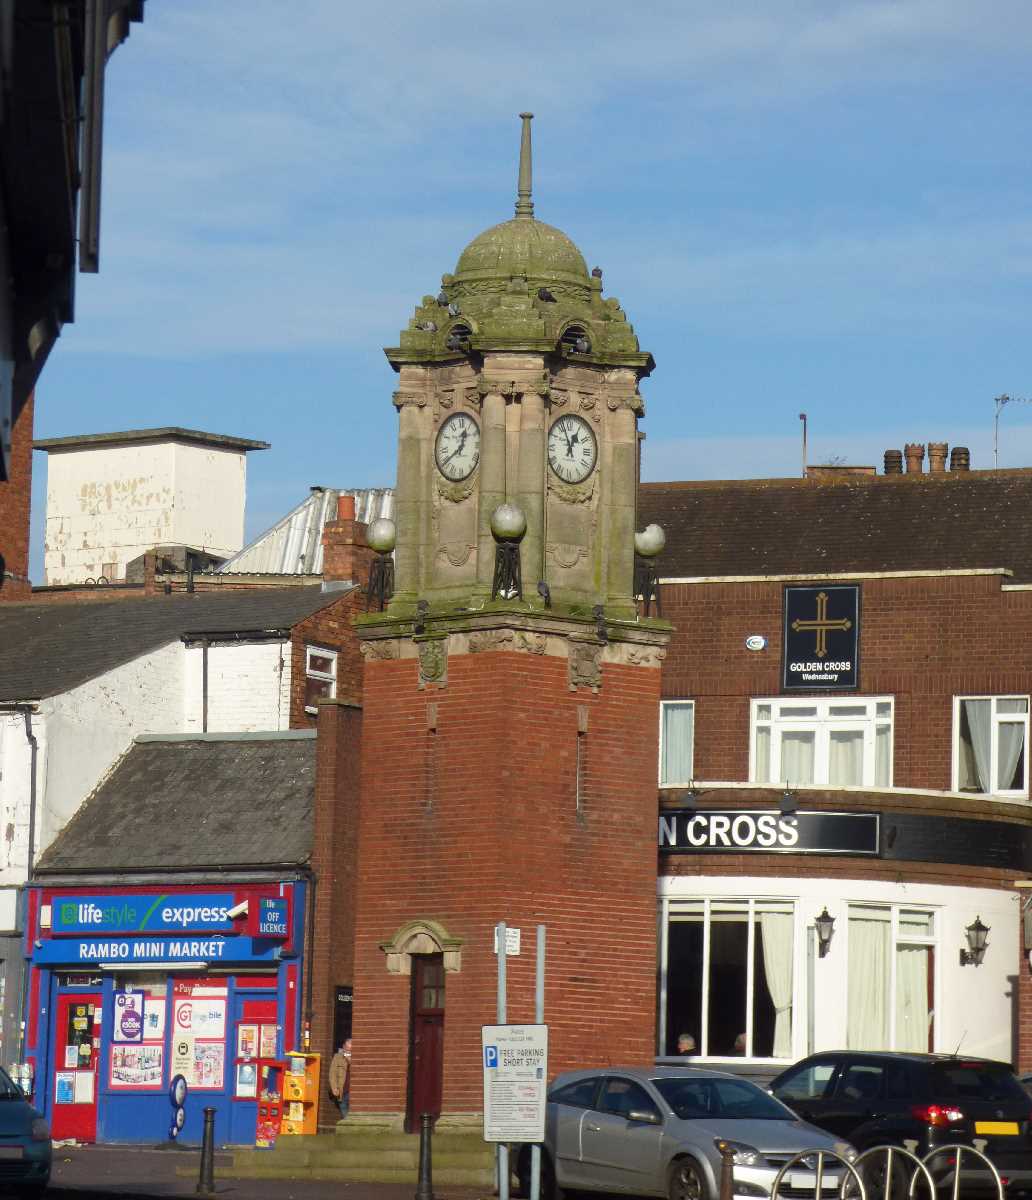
<point>524,204</point>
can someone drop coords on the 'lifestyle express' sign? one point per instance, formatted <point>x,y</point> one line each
<point>142,912</point>
<point>821,638</point>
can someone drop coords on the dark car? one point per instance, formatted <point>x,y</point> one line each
<point>25,1147</point>
<point>918,1101</point>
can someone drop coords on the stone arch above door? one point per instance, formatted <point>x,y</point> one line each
<point>421,937</point>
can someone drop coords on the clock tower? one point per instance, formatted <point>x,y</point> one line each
<point>511,693</point>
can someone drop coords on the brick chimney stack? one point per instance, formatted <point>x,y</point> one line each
<point>346,555</point>
<point>937,458</point>
<point>914,452</point>
<point>893,462</point>
<point>960,459</point>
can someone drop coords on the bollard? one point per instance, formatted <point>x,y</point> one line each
<point>425,1184</point>
<point>727,1172</point>
<point>206,1180</point>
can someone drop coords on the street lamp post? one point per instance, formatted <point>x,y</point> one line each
<point>1001,403</point>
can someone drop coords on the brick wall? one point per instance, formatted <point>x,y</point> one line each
<point>335,835</point>
<point>476,821</point>
<point>15,497</point>
<point>923,640</point>
<point>332,628</point>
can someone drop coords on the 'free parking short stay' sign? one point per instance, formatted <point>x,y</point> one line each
<point>515,1061</point>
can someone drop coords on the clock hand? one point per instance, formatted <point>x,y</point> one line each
<point>458,448</point>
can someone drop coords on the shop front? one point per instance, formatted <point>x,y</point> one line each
<point>132,987</point>
<point>783,932</point>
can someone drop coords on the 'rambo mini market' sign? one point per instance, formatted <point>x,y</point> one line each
<point>821,638</point>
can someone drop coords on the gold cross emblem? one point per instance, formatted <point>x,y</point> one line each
<point>820,625</point>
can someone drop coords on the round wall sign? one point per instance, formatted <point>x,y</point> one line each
<point>756,641</point>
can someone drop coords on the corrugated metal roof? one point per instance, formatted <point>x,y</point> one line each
<point>293,546</point>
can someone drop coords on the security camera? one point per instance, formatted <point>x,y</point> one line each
<point>238,910</point>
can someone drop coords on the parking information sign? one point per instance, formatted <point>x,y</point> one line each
<point>515,1061</point>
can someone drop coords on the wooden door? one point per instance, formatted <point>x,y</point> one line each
<point>426,1045</point>
<point>76,1037</point>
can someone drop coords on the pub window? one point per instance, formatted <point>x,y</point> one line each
<point>891,981</point>
<point>728,977</point>
<point>989,740</point>
<point>320,676</point>
<point>825,742</point>
<point>676,743</point>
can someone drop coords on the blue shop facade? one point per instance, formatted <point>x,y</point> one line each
<point>133,986</point>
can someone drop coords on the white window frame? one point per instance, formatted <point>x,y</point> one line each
<point>323,652</point>
<point>896,940</point>
<point>749,907</point>
<point>823,723</point>
<point>663,705</point>
<point>998,719</point>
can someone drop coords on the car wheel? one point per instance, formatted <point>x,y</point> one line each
<point>685,1181</point>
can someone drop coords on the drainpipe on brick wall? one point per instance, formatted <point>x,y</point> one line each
<point>204,685</point>
<point>30,737</point>
<point>306,1027</point>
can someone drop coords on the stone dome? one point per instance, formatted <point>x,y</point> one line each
<point>522,246</point>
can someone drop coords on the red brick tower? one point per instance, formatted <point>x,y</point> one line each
<point>15,496</point>
<point>509,749</point>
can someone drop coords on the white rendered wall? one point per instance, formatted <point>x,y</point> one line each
<point>248,687</point>
<point>110,504</point>
<point>974,1006</point>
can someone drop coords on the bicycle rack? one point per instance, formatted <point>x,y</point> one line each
<point>960,1150</point>
<point>890,1153</point>
<point>820,1156</point>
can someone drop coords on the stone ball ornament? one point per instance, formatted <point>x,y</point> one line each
<point>508,523</point>
<point>382,535</point>
<point>650,541</point>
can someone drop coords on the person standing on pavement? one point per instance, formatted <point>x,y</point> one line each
<point>340,1077</point>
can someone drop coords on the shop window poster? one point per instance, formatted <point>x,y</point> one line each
<point>71,1059</point>
<point>128,1025</point>
<point>247,1041</point>
<point>246,1081</point>
<point>209,1065</point>
<point>200,1016</point>
<point>136,1066</point>
<point>64,1092</point>
<point>267,1045</point>
<point>153,1018</point>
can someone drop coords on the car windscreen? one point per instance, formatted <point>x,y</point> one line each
<point>976,1081</point>
<point>692,1099</point>
<point>8,1089</point>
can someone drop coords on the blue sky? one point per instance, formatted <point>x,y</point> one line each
<point>801,206</point>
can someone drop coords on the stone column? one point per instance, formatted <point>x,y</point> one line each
<point>492,482</point>
<point>619,500</point>
<point>409,501</point>
<point>530,488</point>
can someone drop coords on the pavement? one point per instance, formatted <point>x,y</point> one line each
<point>139,1173</point>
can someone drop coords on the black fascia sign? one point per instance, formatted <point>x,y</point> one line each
<point>735,831</point>
<point>821,638</point>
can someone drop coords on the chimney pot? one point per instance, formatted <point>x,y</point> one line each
<point>960,459</point>
<point>937,457</point>
<point>914,452</point>
<point>345,507</point>
<point>893,462</point>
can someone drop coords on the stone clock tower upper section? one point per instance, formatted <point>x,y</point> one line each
<point>518,384</point>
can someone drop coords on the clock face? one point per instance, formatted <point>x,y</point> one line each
<point>572,449</point>
<point>457,451</point>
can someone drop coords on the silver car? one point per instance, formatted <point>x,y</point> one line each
<point>656,1133</point>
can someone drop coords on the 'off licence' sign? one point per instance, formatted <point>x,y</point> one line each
<point>515,1059</point>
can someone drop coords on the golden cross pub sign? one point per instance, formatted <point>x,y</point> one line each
<point>821,638</point>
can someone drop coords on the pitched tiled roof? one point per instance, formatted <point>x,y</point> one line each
<point>46,649</point>
<point>242,800</point>
<point>798,527</point>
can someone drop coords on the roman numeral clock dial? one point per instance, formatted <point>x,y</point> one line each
<point>457,450</point>
<point>572,449</point>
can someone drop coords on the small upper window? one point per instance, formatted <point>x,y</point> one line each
<point>676,743</point>
<point>575,338</point>
<point>824,742</point>
<point>990,736</point>
<point>320,676</point>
